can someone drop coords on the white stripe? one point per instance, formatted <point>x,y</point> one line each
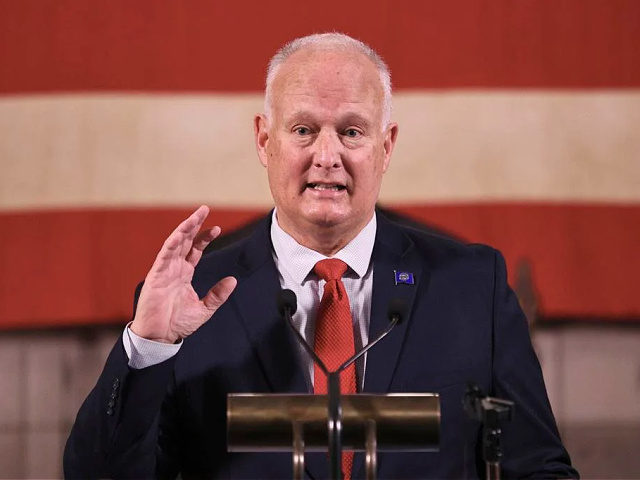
<point>142,149</point>
<point>541,145</point>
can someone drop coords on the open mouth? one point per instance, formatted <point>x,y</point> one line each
<point>326,186</point>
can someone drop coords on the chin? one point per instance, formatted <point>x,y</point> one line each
<point>327,218</point>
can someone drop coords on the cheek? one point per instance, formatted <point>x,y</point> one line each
<point>369,170</point>
<point>285,174</point>
<point>290,162</point>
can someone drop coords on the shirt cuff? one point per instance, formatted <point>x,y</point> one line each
<point>144,353</point>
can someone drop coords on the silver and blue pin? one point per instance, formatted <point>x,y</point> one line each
<point>405,278</point>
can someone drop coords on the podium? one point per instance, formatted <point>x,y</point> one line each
<point>303,422</point>
<point>408,422</point>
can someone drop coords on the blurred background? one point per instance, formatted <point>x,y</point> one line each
<point>519,127</point>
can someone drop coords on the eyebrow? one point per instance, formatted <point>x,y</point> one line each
<point>349,118</point>
<point>301,116</point>
<point>352,118</point>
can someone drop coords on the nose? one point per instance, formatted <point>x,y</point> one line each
<point>328,150</point>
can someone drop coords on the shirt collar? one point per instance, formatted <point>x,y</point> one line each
<point>299,260</point>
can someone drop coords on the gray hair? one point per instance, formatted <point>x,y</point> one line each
<point>332,40</point>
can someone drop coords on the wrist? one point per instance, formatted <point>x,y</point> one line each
<point>153,336</point>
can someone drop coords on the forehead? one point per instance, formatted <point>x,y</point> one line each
<point>328,80</point>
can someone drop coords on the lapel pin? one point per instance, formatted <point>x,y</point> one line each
<point>405,278</point>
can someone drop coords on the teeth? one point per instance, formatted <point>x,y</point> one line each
<point>317,186</point>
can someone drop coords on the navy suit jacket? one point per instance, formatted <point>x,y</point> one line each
<point>464,325</point>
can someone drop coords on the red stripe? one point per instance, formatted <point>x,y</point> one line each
<point>79,267</point>
<point>75,45</point>
<point>584,257</point>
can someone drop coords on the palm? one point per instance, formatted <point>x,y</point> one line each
<point>169,308</point>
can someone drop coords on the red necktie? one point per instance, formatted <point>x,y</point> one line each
<point>333,341</point>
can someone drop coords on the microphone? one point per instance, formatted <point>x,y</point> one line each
<point>287,302</point>
<point>396,312</point>
<point>287,306</point>
<point>397,309</point>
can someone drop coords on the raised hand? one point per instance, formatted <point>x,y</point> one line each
<point>169,308</point>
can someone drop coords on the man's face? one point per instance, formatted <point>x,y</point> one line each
<point>323,145</point>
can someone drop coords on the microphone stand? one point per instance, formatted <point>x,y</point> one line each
<point>490,411</point>
<point>334,409</point>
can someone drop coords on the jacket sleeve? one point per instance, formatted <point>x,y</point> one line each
<point>531,443</point>
<point>115,434</point>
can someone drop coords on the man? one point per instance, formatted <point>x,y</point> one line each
<point>326,140</point>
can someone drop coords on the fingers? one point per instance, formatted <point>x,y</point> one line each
<point>219,293</point>
<point>184,233</point>
<point>200,242</point>
<point>178,244</point>
<point>191,225</point>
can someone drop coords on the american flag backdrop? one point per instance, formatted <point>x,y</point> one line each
<point>519,127</point>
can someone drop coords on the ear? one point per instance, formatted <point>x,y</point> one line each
<point>390,136</point>
<point>261,135</point>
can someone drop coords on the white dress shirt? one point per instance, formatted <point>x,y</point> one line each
<point>295,263</point>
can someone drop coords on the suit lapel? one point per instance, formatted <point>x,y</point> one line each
<point>393,252</point>
<point>256,301</point>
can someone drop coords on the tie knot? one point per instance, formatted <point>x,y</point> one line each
<point>330,269</point>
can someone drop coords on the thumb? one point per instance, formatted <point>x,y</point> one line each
<point>219,293</point>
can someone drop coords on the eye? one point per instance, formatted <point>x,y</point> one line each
<point>352,133</point>
<point>302,130</point>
